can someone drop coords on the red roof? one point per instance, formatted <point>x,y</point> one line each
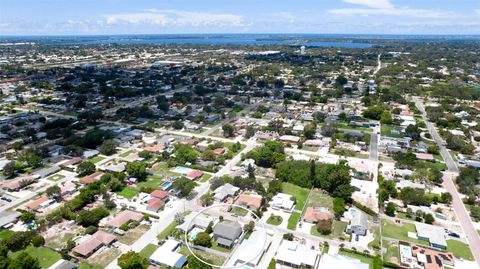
<point>194,174</point>
<point>94,242</point>
<point>155,203</point>
<point>124,217</point>
<point>155,148</point>
<point>159,194</point>
<point>219,151</point>
<point>314,214</point>
<point>36,203</point>
<point>249,200</point>
<point>72,161</point>
<point>91,178</point>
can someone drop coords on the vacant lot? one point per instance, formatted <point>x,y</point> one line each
<point>399,231</point>
<point>459,249</point>
<point>319,197</point>
<point>128,192</point>
<point>147,251</point>
<point>132,235</point>
<point>293,220</point>
<point>299,193</point>
<point>46,257</point>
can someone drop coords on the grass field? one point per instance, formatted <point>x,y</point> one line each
<point>400,232</point>
<point>292,221</point>
<point>205,177</point>
<point>215,259</point>
<point>360,257</point>
<point>216,247</point>
<point>148,250</point>
<point>386,130</point>
<point>128,192</point>
<point>126,153</point>
<point>4,234</point>
<point>153,182</point>
<point>46,257</point>
<point>239,211</point>
<point>97,159</point>
<point>392,254</point>
<point>376,232</point>
<point>459,249</point>
<point>433,165</point>
<point>299,193</point>
<point>167,231</point>
<point>338,228</point>
<point>56,177</point>
<point>85,265</point>
<point>275,220</point>
<point>320,198</point>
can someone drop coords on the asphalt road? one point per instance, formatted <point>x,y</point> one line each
<point>374,146</point>
<point>448,183</point>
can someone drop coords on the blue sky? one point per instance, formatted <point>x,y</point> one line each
<point>80,17</point>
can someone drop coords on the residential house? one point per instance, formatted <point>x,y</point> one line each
<point>124,217</point>
<point>358,223</point>
<point>295,255</point>
<point>225,191</point>
<point>282,201</point>
<point>225,233</point>
<point>166,255</point>
<point>92,243</point>
<point>435,235</point>
<point>251,201</point>
<point>314,214</point>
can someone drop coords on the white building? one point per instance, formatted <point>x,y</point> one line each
<point>166,255</point>
<point>251,250</point>
<point>293,254</point>
<point>282,201</point>
<point>337,261</point>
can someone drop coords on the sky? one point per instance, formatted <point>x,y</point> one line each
<point>108,17</point>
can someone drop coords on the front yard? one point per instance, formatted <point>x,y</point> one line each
<point>459,249</point>
<point>293,220</point>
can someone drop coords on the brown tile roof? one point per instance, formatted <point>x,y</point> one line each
<point>36,203</point>
<point>94,242</point>
<point>155,148</point>
<point>249,200</point>
<point>155,203</point>
<point>160,194</point>
<point>124,217</point>
<point>194,174</point>
<point>314,214</point>
<point>219,151</point>
<point>91,178</point>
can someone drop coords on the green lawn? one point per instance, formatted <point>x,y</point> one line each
<point>216,247</point>
<point>392,254</point>
<point>459,249</point>
<point>319,197</point>
<point>128,192</point>
<point>433,165</point>
<point>360,257</point>
<point>239,211</point>
<point>275,220</point>
<point>338,229</point>
<point>215,259</point>
<point>46,257</point>
<point>153,182</point>
<point>400,232</point>
<point>386,130</point>
<point>292,220</point>
<point>148,250</point>
<point>85,265</point>
<point>205,177</point>
<point>126,153</point>
<point>4,234</point>
<point>299,193</point>
<point>97,159</point>
<point>168,230</point>
<point>376,241</point>
<point>56,177</point>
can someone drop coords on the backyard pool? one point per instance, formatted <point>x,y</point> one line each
<point>182,170</point>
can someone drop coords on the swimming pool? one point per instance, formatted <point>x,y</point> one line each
<point>405,251</point>
<point>182,170</point>
<point>166,185</point>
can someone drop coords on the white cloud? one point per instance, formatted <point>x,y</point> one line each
<point>477,11</point>
<point>175,18</point>
<point>378,4</point>
<point>419,13</point>
<point>385,7</point>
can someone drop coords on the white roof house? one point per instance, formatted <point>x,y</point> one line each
<point>292,253</point>
<point>226,190</point>
<point>433,234</point>
<point>195,220</point>
<point>166,255</point>
<point>282,201</point>
<point>251,250</point>
<point>337,261</point>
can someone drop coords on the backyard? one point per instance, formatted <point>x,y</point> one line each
<point>459,249</point>
<point>386,130</point>
<point>319,197</point>
<point>299,193</point>
<point>400,231</point>
<point>46,257</point>
<point>128,192</point>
